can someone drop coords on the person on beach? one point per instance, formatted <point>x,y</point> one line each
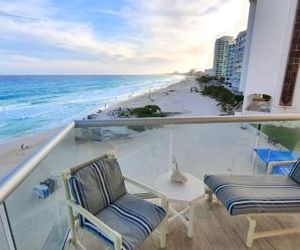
<point>23,146</point>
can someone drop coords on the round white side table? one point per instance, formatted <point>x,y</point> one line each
<point>186,194</point>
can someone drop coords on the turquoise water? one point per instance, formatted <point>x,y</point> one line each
<point>30,104</point>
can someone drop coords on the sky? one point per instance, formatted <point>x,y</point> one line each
<point>114,36</point>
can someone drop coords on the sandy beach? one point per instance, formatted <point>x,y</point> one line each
<point>175,98</point>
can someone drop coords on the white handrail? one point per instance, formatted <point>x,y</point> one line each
<point>14,178</point>
<point>185,120</point>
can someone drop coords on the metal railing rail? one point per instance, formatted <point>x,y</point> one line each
<point>184,120</point>
<point>12,180</point>
<point>9,237</point>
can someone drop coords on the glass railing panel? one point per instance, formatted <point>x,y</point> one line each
<point>18,150</point>
<point>145,153</point>
<point>138,148</point>
<point>214,148</point>
<point>3,237</point>
<point>199,149</point>
<point>36,208</point>
<point>277,141</point>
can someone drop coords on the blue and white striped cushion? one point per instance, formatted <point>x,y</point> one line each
<point>295,172</point>
<point>130,216</point>
<point>255,194</point>
<point>97,185</point>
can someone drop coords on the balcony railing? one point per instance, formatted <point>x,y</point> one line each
<point>145,149</point>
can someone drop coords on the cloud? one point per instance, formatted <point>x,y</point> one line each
<point>39,66</point>
<point>166,35</point>
<point>73,36</point>
<point>184,33</point>
<point>17,16</point>
<point>209,10</point>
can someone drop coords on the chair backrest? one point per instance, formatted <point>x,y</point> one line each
<point>295,172</point>
<point>96,184</point>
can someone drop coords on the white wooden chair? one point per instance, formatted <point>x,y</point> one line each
<point>98,201</point>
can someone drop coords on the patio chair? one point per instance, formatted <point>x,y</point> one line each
<point>277,161</point>
<point>280,167</point>
<point>97,199</point>
<point>258,195</point>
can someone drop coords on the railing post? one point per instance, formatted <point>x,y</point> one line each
<point>7,227</point>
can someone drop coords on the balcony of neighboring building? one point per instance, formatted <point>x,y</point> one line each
<point>259,103</point>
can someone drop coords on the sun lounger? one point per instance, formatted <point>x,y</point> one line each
<point>258,195</point>
<point>270,157</point>
<point>282,169</point>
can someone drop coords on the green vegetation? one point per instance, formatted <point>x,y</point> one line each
<point>124,114</point>
<point>227,100</point>
<point>206,79</point>
<point>287,137</point>
<point>148,111</point>
<point>137,128</point>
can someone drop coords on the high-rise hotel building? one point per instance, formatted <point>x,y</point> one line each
<point>237,60</point>
<point>228,58</point>
<point>220,55</point>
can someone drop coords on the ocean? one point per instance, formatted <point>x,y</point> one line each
<point>31,104</point>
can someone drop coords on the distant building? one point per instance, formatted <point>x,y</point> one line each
<point>209,72</point>
<point>220,55</point>
<point>230,62</point>
<point>228,59</point>
<point>237,60</point>
<point>270,79</point>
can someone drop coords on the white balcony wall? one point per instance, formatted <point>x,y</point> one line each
<point>268,51</point>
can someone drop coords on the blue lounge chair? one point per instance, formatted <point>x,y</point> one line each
<point>281,169</point>
<point>270,157</point>
<point>254,195</point>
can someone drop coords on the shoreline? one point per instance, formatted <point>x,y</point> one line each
<point>173,98</point>
<point>26,137</point>
<point>104,108</point>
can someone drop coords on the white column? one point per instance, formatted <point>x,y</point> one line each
<point>250,26</point>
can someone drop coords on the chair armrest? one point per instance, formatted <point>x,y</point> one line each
<point>110,233</point>
<point>151,190</point>
<point>277,163</point>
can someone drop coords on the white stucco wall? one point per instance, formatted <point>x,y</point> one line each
<point>268,52</point>
<point>250,25</point>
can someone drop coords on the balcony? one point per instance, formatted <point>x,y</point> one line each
<point>259,103</point>
<point>145,148</point>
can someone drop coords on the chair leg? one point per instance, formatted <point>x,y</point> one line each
<point>72,224</point>
<point>163,233</point>
<point>210,194</point>
<point>77,245</point>
<point>251,231</point>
